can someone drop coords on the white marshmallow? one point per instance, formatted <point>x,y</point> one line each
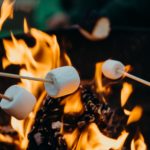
<point>21,104</point>
<point>110,69</point>
<point>65,80</point>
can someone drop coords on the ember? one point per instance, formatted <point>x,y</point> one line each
<point>83,120</point>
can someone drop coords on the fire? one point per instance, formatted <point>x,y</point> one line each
<point>138,143</point>
<point>72,104</point>
<point>92,139</point>
<point>36,61</point>
<point>125,93</point>
<point>72,139</point>
<point>26,28</point>
<point>7,5</point>
<point>100,88</point>
<point>135,114</point>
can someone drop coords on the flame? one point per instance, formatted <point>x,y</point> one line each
<point>138,143</point>
<point>71,139</point>
<point>8,139</point>
<point>6,11</point>
<point>16,125</point>
<point>98,77</point>
<point>92,139</point>
<point>135,115</point>
<point>128,68</point>
<point>72,104</point>
<point>34,61</point>
<point>100,88</point>
<point>125,93</point>
<point>26,28</point>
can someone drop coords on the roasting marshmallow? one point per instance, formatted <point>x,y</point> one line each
<point>65,80</point>
<point>21,102</point>
<point>111,69</point>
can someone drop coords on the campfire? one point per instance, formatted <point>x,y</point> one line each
<point>80,120</point>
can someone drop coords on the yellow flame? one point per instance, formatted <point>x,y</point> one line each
<point>71,139</point>
<point>127,112</point>
<point>138,143</point>
<point>34,61</point>
<point>16,125</point>
<point>25,24</point>
<point>73,104</point>
<point>37,61</point>
<point>8,139</point>
<point>98,77</point>
<point>125,93</point>
<point>92,139</point>
<point>99,82</point>
<point>135,114</point>
<point>6,11</point>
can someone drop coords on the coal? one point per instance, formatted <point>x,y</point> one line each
<point>50,119</point>
<point>45,133</point>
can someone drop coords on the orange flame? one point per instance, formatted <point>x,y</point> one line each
<point>6,11</point>
<point>72,104</point>
<point>125,93</point>
<point>34,61</point>
<point>25,24</point>
<point>135,115</point>
<point>100,88</point>
<point>37,61</point>
<point>138,143</point>
<point>92,139</point>
<point>71,139</point>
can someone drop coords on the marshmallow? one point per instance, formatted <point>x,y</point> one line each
<point>110,69</point>
<point>65,80</point>
<point>21,103</point>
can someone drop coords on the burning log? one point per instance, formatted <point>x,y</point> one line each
<point>46,132</point>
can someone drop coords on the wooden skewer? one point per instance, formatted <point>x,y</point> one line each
<point>5,97</point>
<point>134,77</point>
<point>9,75</point>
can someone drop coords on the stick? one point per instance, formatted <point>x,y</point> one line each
<point>5,97</point>
<point>134,77</point>
<point>9,75</point>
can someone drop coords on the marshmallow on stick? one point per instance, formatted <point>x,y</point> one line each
<point>20,102</point>
<point>113,69</point>
<point>110,69</point>
<point>64,80</point>
<point>58,82</point>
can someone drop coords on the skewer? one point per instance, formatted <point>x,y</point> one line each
<point>5,97</point>
<point>114,69</point>
<point>134,77</point>
<point>9,75</point>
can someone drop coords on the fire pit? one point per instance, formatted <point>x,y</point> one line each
<point>91,118</point>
